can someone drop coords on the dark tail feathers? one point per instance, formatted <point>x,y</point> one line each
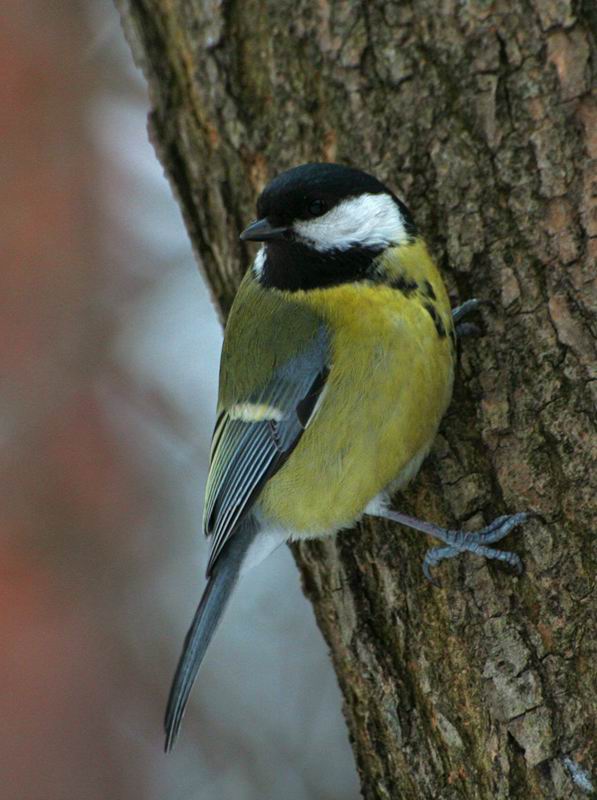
<point>215,598</point>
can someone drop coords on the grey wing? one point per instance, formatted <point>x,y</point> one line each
<point>247,450</point>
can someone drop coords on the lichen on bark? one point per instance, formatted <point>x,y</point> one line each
<point>481,116</point>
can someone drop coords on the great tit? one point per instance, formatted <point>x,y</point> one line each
<point>337,367</point>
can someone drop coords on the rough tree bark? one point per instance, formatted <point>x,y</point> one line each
<point>480,114</point>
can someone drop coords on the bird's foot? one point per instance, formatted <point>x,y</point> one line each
<point>457,541</point>
<point>462,311</point>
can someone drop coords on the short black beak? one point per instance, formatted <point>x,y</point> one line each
<point>262,231</point>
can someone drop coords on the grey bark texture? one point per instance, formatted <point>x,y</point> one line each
<point>480,115</point>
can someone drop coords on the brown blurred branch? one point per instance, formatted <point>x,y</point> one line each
<point>482,117</point>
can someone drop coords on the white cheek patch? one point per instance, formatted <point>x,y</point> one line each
<point>369,220</point>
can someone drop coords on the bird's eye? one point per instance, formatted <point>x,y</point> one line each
<point>317,208</point>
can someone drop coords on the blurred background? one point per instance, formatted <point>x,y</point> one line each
<point>109,353</point>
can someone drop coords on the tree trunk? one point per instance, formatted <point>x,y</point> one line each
<point>480,115</point>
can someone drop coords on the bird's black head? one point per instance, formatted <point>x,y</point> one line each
<point>324,224</point>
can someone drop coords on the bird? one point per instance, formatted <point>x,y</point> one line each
<point>337,367</point>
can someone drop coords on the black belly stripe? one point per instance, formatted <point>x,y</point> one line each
<point>437,320</point>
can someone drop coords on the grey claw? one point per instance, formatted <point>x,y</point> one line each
<point>428,574</point>
<point>433,557</point>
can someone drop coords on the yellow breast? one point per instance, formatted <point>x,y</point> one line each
<point>389,386</point>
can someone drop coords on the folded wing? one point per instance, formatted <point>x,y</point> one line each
<point>253,438</point>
